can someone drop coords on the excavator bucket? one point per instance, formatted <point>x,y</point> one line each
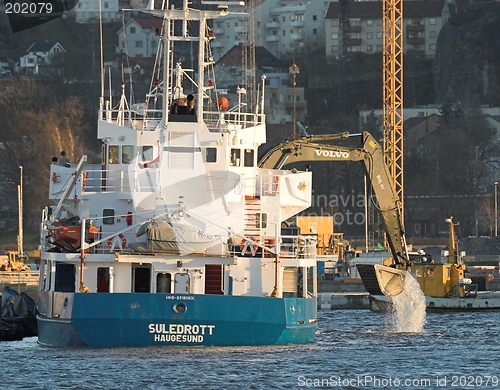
<point>381,280</point>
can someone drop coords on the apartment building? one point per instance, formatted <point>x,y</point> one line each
<point>282,27</point>
<point>361,30</point>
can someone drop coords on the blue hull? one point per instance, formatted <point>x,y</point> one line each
<point>138,320</point>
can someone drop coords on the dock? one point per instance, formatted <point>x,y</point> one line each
<point>342,301</point>
<point>23,281</point>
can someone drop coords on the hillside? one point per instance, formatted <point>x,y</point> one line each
<point>467,64</point>
<point>81,41</point>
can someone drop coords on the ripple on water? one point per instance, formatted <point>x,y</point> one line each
<point>350,343</point>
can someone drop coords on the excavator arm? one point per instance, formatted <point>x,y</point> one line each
<point>377,279</point>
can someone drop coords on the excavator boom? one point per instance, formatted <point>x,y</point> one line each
<point>378,279</point>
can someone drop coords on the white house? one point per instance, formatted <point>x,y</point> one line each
<point>139,37</point>
<point>4,68</point>
<point>88,11</point>
<point>39,54</point>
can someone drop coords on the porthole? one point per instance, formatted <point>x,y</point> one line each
<point>179,308</point>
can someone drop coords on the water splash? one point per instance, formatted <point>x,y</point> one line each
<point>409,307</point>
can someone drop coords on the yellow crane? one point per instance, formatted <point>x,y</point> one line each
<point>392,42</point>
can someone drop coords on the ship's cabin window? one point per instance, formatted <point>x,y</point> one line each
<point>103,279</point>
<point>113,154</point>
<point>147,153</point>
<point>211,155</point>
<point>108,216</point>
<point>261,221</point>
<point>127,154</point>
<point>164,283</point>
<point>248,158</point>
<point>235,157</point>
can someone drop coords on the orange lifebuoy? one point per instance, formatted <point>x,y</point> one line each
<point>248,246</point>
<point>276,181</point>
<point>112,242</point>
<point>84,179</point>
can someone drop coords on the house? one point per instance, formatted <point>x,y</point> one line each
<point>39,54</point>
<point>87,11</point>
<point>417,132</point>
<point>358,27</point>
<point>139,38</point>
<point>5,68</point>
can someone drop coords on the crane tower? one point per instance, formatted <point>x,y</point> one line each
<point>392,42</point>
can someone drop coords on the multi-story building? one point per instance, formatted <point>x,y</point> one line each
<point>282,27</point>
<point>358,27</point>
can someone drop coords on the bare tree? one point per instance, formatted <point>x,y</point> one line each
<point>487,213</point>
<point>35,127</point>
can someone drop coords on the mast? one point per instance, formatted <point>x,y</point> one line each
<point>20,238</point>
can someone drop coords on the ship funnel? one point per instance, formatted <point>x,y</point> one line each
<point>381,280</point>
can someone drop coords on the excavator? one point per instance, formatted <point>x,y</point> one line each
<point>378,279</point>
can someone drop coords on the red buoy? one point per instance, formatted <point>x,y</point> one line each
<point>222,104</point>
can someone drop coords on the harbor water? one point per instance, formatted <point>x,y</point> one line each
<point>355,349</point>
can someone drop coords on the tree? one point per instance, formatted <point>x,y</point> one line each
<point>35,127</point>
<point>487,213</point>
<point>466,144</point>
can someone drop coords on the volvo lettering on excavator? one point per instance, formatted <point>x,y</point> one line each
<point>377,279</point>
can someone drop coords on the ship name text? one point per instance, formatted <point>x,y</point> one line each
<point>179,333</point>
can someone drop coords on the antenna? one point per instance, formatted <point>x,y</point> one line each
<point>101,49</point>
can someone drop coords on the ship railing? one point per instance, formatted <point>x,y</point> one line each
<point>270,183</point>
<point>298,247</point>
<point>116,242</point>
<point>113,180</point>
<point>219,121</point>
<point>215,120</point>
<point>290,246</point>
<point>143,120</point>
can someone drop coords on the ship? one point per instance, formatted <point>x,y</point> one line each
<point>176,238</point>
